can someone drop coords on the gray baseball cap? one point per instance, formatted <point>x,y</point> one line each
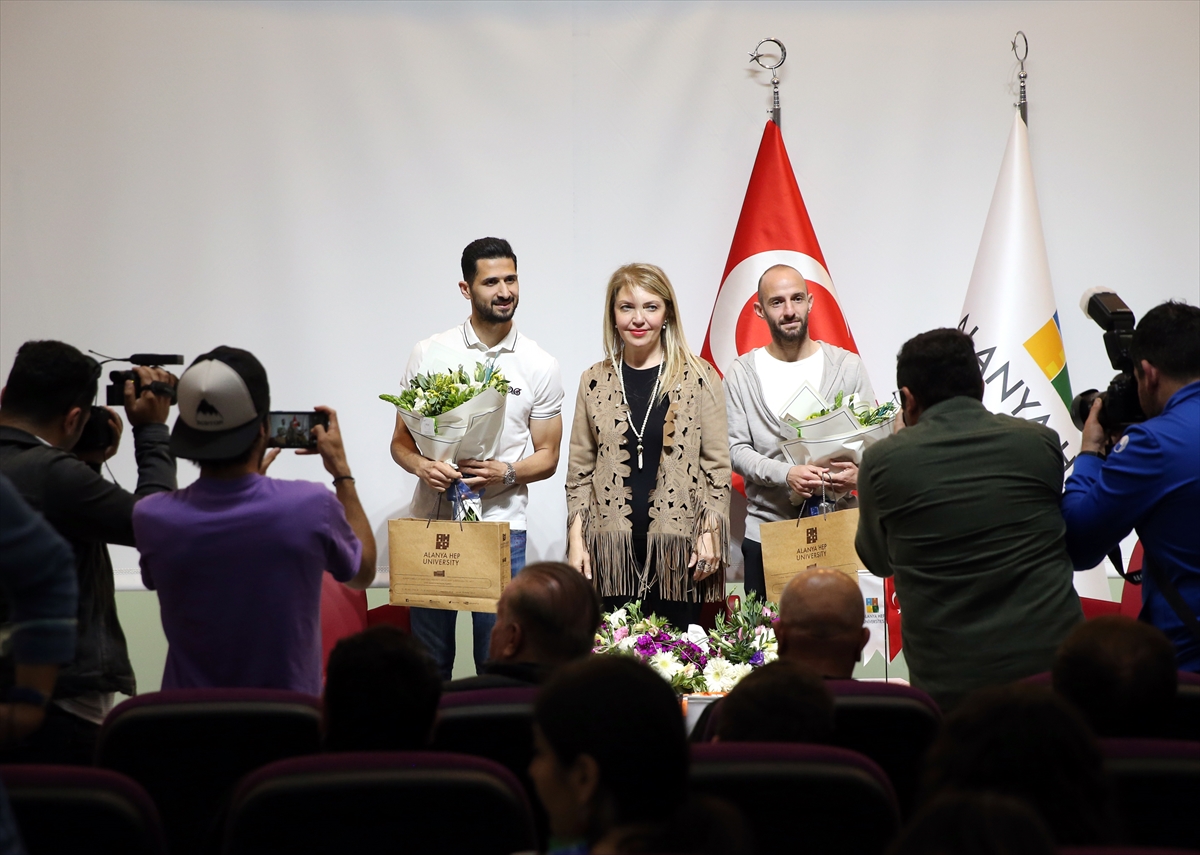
<point>223,398</point>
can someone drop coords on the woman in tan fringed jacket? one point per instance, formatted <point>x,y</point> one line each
<point>648,475</point>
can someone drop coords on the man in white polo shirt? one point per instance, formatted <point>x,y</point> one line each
<point>528,448</point>
<point>758,386</point>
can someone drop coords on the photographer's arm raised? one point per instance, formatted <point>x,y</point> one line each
<point>333,455</point>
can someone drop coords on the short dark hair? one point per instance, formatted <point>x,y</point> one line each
<point>488,247</point>
<point>48,379</point>
<point>974,824</point>
<point>1121,674</point>
<point>939,365</point>
<point>557,609</point>
<point>1168,337</point>
<point>779,702</point>
<point>1025,741</point>
<point>615,708</point>
<point>381,692</point>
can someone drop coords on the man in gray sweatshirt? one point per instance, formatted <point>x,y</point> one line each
<point>758,386</point>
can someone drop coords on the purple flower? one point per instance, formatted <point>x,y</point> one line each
<point>757,658</point>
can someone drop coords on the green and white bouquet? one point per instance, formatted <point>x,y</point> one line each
<point>840,430</point>
<point>454,414</point>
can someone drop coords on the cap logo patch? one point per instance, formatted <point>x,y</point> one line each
<point>207,414</point>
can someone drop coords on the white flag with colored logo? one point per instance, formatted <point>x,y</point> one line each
<point>1011,314</point>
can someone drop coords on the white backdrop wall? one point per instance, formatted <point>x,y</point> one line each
<point>299,178</point>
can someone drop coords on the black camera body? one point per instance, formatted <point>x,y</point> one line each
<point>115,391</point>
<point>1121,405</point>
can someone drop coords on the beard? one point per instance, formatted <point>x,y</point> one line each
<point>495,314</point>
<point>779,334</point>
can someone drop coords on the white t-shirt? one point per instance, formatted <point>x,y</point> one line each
<point>535,392</point>
<point>781,380</point>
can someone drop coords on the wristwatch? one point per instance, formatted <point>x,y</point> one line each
<point>510,476</point>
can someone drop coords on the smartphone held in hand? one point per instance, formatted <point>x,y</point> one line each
<point>294,429</point>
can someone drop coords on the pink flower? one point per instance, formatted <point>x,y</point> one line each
<point>759,630</point>
<point>622,632</point>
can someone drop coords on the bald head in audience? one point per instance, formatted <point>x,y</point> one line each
<point>821,616</point>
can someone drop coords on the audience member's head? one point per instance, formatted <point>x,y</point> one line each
<point>780,702</point>
<point>381,693</point>
<point>1025,741</point>
<point>224,404</point>
<point>820,625</point>
<point>1120,673</point>
<point>50,387</point>
<point>974,823</point>
<point>595,721</point>
<point>934,367</point>
<point>547,615</point>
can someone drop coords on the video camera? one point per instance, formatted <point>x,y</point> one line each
<point>1121,405</point>
<point>116,389</point>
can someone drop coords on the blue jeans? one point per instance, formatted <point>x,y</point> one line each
<point>435,627</point>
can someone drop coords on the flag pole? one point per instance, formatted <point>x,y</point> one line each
<point>757,56</point>
<point>1021,55</point>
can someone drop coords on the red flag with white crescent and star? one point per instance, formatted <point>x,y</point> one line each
<point>773,229</point>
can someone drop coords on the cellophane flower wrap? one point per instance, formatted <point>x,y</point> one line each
<point>840,431</point>
<point>695,660</point>
<point>454,415</point>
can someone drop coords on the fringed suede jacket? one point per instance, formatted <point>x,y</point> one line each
<point>691,494</point>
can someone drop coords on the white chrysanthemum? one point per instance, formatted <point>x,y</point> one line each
<point>736,673</point>
<point>665,664</point>
<point>716,674</point>
<point>618,618</point>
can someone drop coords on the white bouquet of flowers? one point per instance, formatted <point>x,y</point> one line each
<point>841,431</point>
<point>454,414</point>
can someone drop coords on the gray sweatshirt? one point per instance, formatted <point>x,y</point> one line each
<point>755,432</point>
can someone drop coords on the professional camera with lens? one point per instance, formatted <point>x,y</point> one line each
<point>116,389</point>
<point>1121,405</point>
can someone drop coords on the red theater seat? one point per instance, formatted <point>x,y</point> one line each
<point>1157,788</point>
<point>81,809</point>
<point>189,747</point>
<point>809,798</point>
<point>380,802</point>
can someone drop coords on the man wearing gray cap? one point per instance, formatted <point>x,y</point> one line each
<point>237,558</point>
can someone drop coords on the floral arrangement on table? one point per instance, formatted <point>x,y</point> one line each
<point>454,414</point>
<point>694,660</point>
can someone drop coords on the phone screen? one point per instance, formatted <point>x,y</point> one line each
<point>294,429</point>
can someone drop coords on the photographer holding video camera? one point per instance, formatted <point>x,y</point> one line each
<point>45,408</point>
<point>1145,475</point>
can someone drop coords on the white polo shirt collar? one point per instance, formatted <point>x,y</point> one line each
<point>508,344</point>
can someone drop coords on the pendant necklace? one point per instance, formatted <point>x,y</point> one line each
<point>649,406</point>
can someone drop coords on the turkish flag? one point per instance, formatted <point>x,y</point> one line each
<point>773,229</point>
<point>891,613</point>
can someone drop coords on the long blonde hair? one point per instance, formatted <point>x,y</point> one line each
<point>676,352</point>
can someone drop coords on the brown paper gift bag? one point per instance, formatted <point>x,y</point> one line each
<point>825,540</point>
<point>438,564</point>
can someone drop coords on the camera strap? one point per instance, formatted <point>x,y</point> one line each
<point>1173,598</point>
<point>1134,577</point>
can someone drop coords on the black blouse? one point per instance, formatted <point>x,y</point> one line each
<point>639,383</point>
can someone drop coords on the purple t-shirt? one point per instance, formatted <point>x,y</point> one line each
<point>237,565</point>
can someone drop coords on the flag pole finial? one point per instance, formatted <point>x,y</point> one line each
<point>757,56</point>
<point>1021,54</point>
